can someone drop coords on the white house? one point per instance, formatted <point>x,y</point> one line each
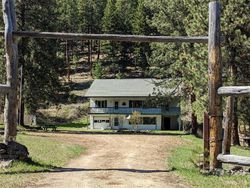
<point>112,102</point>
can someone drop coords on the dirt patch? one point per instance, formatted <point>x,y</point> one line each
<point>116,161</point>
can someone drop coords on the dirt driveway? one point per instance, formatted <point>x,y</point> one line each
<point>116,161</point>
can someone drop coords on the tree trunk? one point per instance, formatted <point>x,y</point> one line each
<point>228,125</point>
<point>235,126</point>
<point>22,47</point>
<point>194,117</point>
<point>99,50</point>
<point>67,61</point>
<point>21,103</point>
<point>90,52</point>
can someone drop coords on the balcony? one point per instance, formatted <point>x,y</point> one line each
<point>144,111</point>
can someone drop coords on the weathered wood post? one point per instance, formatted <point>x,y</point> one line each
<point>10,112</point>
<point>215,81</point>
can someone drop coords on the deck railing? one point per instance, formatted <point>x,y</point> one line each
<point>143,111</point>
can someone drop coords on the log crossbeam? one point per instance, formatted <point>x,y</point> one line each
<point>234,90</point>
<point>110,37</point>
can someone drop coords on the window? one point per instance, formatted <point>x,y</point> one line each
<point>101,121</point>
<point>124,104</point>
<point>135,104</point>
<point>149,121</point>
<point>101,104</point>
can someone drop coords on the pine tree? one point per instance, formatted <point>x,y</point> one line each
<point>38,56</point>
<point>188,62</point>
<point>90,15</point>
<point>109,21</point>
<point>141,27</point>
<point>177,60</point>
<point>118,16</point>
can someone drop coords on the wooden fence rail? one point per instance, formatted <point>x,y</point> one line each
<point>234,159</point>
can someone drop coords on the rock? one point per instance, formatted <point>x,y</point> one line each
<point>6,164</point>
<point>2,151</point>
<point>14,148</point>
<point>218,172</point>
<point>13,151</point>
<point>237,168</point>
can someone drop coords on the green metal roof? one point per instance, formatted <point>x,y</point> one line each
<point>122,88</point>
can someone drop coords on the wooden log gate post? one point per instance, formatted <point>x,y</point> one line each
<point>215,82</point>
<point>215,74</point>
<point>10,89</point>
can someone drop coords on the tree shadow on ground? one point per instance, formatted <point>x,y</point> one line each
<point>66,170</point>
<point>33,164</point>
<point>93,132</point>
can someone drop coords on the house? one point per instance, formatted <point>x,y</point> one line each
<point>112,102</point>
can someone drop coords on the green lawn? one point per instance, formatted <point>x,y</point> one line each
<point>79,125</point>
<point>46,154</point>
<point>180,160</point>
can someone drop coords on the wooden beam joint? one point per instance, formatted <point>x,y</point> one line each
<point>5,89</point>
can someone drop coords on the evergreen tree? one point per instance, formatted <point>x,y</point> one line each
<point>38,56</point>
<point>109,26</point>
<point>188,62</point>
<point>141,27</point>
<point>118,16</point>
<point>67,11</point>
<point>90,15</point>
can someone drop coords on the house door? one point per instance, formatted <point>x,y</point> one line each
<point>116,122</point>
<point>116,104</point>
<point>166,123</point>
